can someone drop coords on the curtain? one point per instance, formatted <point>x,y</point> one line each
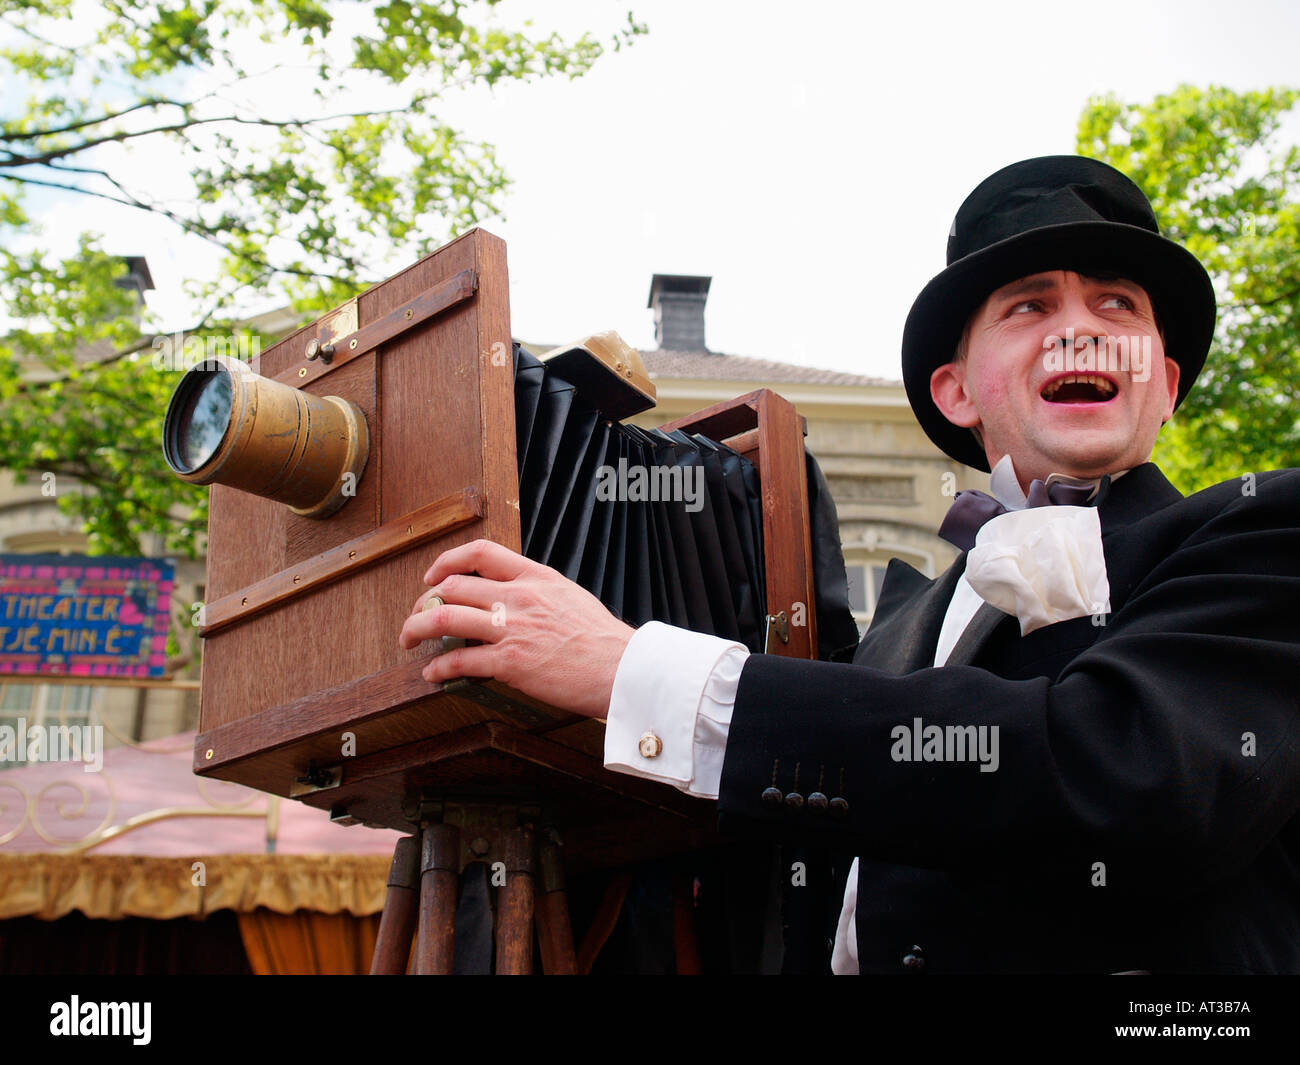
<point>51,886</point>
<point>77,945</point>
<point>306,943</point>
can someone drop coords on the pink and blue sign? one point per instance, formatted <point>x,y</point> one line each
<point>84,616</point>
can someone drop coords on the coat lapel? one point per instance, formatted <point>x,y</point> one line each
<point>979,630</point>
<point>905,627</point>
<point>1139,493</point>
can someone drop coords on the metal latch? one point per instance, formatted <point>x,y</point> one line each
<point>780,624</point>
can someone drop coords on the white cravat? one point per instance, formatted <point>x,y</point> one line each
<point>689,706</point>
<point>1040,564</point>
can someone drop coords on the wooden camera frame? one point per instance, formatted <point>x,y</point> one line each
<point>305,692</point>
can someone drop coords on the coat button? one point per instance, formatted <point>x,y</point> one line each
<point>650,745</point>
<point>794,800</point>
<point>772,797</point>
<point>817,801</point>
<point>914,960</point>
<point>839,807</point>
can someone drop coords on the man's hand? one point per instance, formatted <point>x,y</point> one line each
<point>539,632</point>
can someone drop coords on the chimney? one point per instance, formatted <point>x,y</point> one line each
<point>137,278</point>
<point>678,302</point>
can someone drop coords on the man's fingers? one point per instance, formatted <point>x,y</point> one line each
<point>462,589</point>
<point>448,620</point>
<point>462,662</point>
<point>484,557</point>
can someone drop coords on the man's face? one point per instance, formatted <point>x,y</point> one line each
<point>1085,408</point>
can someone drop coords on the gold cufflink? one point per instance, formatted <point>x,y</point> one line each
<point>650,745</point>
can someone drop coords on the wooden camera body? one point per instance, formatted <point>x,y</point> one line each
<point>305,691</point>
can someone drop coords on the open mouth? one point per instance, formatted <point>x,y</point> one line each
<point>1079,388</point>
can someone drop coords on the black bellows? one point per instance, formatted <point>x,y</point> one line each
<point>659,526</point>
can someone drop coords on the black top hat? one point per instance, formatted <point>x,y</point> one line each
<point>1059,212</point>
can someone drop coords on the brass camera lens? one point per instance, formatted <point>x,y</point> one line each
<point>227,425</point>
<point>205,413</point>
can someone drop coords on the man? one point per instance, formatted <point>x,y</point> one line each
<point>1076,750</point>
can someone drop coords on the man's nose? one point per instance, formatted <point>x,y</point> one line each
<point>1076,321</point>
<point>1076,313</point>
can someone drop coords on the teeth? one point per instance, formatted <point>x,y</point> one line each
<point>1105,387</point>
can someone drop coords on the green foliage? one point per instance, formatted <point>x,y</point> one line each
<point>1223,186</point>
<point>312,188</point>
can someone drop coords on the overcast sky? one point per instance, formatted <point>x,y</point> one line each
<point>808,156</point>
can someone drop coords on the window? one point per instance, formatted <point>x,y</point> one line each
<point>865,580</point>
<point>45,705</point>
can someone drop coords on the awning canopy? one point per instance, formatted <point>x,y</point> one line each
<point>145,837</point>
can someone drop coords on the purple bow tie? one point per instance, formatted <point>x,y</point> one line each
<point>971,509</point>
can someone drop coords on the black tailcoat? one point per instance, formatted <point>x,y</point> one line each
<point>1143,814</point>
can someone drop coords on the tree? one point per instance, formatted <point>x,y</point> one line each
<point>315,163</point>
<point>1224,187</point>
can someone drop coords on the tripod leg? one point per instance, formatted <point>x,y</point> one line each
<point>397,924</point>
<point>474,923</point>
<point>515,906</point>
<point>554,933</point>
<point>440,868</point>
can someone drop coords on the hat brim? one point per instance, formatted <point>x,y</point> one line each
<point>1180,290</point>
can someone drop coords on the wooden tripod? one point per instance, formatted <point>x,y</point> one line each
<point>425,874</point>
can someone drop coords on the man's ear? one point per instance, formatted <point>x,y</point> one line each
<point>948,390</point>
<point>1172,371</point>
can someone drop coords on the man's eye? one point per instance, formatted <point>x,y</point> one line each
<point>1026,305</point>
<point>1122,303</point>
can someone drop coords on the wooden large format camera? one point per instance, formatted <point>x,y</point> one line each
<point>305,692</point>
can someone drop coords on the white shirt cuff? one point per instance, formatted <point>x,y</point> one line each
<point>670,710</point>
